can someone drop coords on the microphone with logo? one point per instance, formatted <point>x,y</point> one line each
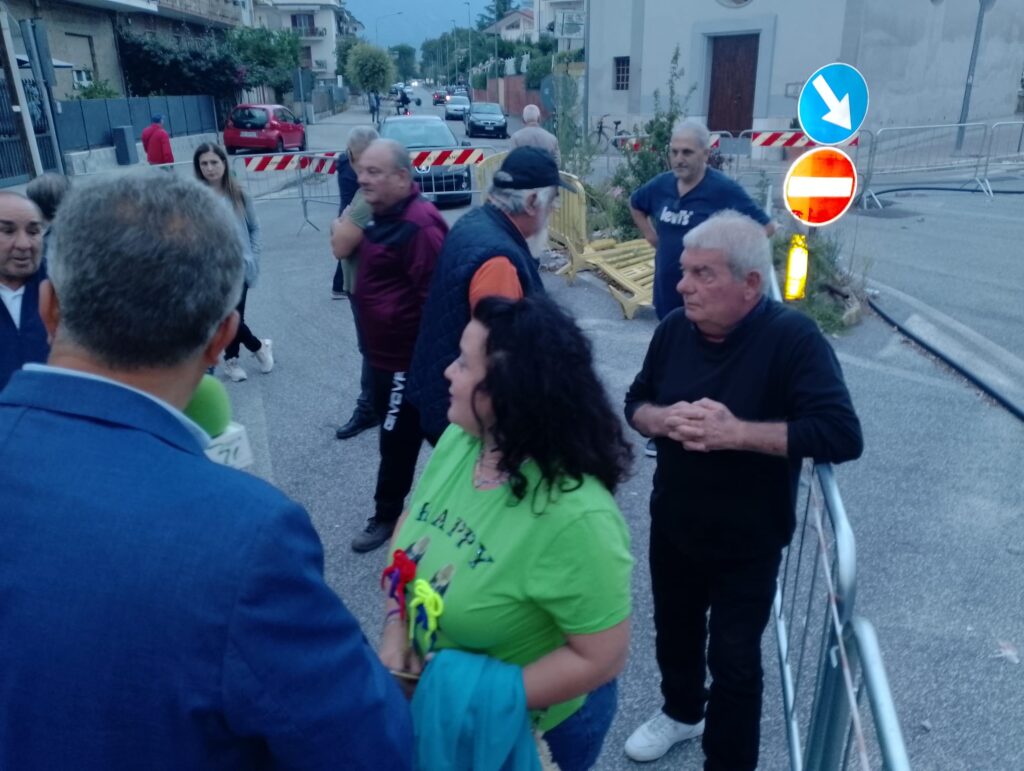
<point>210,408</point>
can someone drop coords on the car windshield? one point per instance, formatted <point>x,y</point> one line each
<point>249,117</point>
<point>419,133</point>
<point>488,108</point>
<point>459,100</point>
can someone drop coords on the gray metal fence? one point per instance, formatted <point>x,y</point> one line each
<point>84,124</point>
<point>14,161</point>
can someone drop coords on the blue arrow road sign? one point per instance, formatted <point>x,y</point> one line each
<point>833,104</point>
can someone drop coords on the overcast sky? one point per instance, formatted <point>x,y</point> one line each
<point>420,19</point>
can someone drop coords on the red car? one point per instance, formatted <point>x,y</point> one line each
<point>267,127</point>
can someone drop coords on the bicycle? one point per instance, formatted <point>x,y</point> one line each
<point>600,136</point>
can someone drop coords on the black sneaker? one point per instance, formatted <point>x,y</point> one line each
<point>374,535</point>
<point>651,449</point>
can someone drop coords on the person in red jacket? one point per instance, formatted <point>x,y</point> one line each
<point>156,142</point>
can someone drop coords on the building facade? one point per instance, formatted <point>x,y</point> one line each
<point>319,26</point>
<point>515,26</point>
<point>745,61</point>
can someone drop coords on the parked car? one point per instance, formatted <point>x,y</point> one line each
<point>486,118</point>
<point>268,127</point>
<point>456,107</point>
<point>429,132</point>
<point>439,97</point>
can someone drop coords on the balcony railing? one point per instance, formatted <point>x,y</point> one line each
<point>320,65</point>
<point>310,31</point>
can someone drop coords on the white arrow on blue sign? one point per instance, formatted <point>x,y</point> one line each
<point>833,104</point>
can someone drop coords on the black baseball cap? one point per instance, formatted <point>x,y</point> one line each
<point>527,168</point>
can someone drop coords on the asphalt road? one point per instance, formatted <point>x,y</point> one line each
<point>937,503</point>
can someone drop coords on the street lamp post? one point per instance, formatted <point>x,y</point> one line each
<point>455,41</point>
<point>469,43</point>
<point>376,26</point>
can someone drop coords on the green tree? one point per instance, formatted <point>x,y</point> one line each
<point>203,64</point>
<point>341,49</point>
<point>369,67</point>
<point>493,11</point>
<point>405,61</point>
<point>269,56</point>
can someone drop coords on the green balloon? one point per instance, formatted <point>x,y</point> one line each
<point>210,407</point>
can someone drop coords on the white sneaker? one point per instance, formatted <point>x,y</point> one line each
<point>657,736</point>
<point>265,356</point>
<point>234,370</point>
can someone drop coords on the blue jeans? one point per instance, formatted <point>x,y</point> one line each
<point>576,742</point>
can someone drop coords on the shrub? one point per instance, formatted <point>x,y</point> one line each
<point>539,68</point>
<point>101,89</point>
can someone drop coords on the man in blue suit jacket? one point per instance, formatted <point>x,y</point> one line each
<point>22,336</point>
<point>158,611</point>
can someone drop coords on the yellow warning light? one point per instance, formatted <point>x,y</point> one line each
<point>796,267</point>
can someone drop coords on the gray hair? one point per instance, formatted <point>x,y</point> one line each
<point>694,128</point>
<point>743,241</point>
<point>531,113</point>
<point>399,154</point>
<point>47,191</point>
<point>145,267</point>
<point>359,138</point>
<point>513,202</point>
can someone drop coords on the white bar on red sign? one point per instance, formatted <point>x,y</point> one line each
<point>819,187</point>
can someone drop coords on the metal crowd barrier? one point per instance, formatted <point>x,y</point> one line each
<point>1005,149</point>
<point>943,156</point>
<point>310,177</point>
<point>829,659</point>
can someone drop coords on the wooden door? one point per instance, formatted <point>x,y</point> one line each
<point>733,77</point>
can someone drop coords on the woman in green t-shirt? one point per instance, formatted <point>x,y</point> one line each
<point>514,526</point>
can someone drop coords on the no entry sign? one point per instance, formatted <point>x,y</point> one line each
<point>820,186</point>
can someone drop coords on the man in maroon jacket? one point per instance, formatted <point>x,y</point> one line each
<point>396,262</point>
<point>156,142</point>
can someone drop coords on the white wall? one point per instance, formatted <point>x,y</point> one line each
<point>915,58</point>
<point>914,54</point>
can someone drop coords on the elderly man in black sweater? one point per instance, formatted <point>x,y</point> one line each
<point>736,390</point>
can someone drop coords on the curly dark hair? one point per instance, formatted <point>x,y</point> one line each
<point>548,402</point>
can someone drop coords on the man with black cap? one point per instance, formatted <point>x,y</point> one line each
<point>486,253</point>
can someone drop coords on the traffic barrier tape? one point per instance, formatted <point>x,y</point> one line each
<point>325,163</point>
<point>463,157</point>
<point>786,139</point>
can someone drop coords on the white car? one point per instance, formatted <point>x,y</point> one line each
<point>456,107</point>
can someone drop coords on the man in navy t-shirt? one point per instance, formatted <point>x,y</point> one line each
<point>681,199</point>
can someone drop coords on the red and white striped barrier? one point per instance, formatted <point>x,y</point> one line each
<point>321,164</point>
<point>464,157</point>
<point>785,139</point>
<point>324,163</point>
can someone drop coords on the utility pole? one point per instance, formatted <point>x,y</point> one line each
<point>469,41</point>
<point>983,7</point>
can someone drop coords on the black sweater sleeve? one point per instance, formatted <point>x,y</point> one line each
<point>821,420</point>
<point>642,391</point>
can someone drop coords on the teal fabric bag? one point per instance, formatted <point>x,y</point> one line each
<point>469,713</point>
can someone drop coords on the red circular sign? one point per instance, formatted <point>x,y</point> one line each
<point>820,186</point>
